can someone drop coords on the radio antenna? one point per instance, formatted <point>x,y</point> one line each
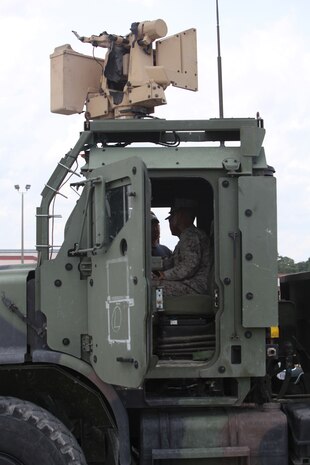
<point>219,63</point>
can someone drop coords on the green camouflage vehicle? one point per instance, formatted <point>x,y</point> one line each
<point>97,366</point>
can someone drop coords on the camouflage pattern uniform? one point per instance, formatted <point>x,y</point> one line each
<point>186,271</point>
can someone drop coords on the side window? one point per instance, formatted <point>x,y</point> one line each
<point>117,210</point>
<point>110,210</point>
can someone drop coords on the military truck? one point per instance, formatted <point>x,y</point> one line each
<point>97,365</point>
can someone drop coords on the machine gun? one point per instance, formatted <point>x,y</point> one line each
<point>131,79</point>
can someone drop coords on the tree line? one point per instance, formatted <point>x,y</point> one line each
<point>287,265</point>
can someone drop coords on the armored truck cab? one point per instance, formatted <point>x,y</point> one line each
<point>106,254</point>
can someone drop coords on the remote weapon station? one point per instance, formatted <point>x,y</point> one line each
<point>97,365</point>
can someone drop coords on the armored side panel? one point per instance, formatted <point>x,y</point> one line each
<point>73,75</point>
<point>177,57</point>
<point>257,222</point>
<point>13,313</point>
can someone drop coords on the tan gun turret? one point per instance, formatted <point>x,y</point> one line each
<point>131,80</point>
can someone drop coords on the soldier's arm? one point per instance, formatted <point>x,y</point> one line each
<point>190,254</point>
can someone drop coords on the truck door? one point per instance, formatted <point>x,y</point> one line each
<point>118,296</point>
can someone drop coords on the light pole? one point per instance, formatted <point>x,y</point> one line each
<point>27,187</point>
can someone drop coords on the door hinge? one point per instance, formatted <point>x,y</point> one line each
<point>86,346</point>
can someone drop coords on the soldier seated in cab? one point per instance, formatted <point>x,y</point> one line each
<point>186,271</point>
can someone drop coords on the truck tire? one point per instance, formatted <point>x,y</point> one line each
<point>31,435</point>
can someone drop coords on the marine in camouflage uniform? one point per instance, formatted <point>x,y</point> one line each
<point>186,271</point>
<point>158,250</point>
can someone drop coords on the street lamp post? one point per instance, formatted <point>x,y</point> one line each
<point>27,187</point>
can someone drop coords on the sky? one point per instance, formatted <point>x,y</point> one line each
<point>265,49</point>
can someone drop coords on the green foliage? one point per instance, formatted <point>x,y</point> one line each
<point>287,265</point>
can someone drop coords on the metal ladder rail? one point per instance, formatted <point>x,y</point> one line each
<point>51,189</point>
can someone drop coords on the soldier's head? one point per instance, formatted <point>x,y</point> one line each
<point>155,229</point>
<point>181,216</point>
